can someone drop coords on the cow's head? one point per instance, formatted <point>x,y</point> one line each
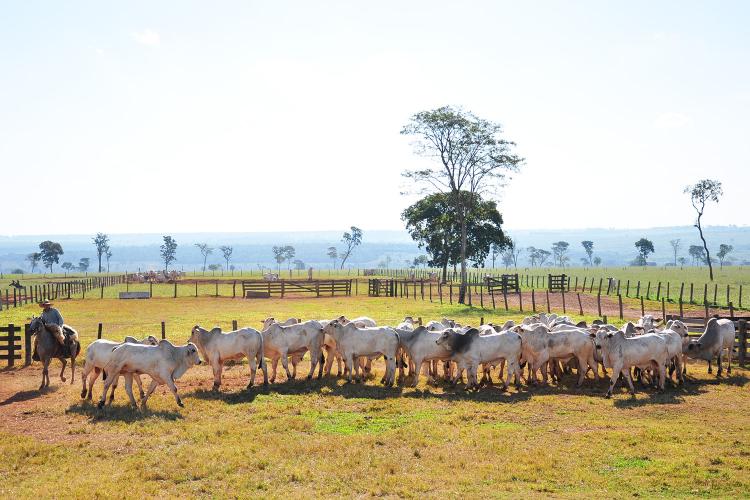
<point>150,340</point>
<point>444,339</point>
<point>191,353</point>
<point>680,327</point>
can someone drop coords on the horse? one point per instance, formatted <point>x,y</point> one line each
<point>47,347</point>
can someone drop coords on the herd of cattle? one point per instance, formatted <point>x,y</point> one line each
<point>550,344</point>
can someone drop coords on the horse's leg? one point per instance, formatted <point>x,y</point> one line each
<point>72,369</point>
<point>44,373</point>
<point>62,372</point>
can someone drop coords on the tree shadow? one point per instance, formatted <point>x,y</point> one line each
<point>28,395</point>
<point>126,414</point>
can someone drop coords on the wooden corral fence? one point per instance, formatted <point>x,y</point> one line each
<point>505,283</point>
<point>381,287</point>
<point>262,288</point>
<point>9,350</point>
<point>54,290</point>
<point>557,282</point>
<point>696,327</point>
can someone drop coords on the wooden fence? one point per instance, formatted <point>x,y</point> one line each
<point>54,290</point>
<point>262,288</point>
<point>9,350</point>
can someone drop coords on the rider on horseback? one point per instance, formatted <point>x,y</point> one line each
<point>51,317</point>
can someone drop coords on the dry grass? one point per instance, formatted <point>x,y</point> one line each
<point>325,438</point>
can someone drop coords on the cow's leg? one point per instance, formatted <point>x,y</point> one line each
<point>616,369</point>
<point>84,377</point>
<point>626,374</point>
<point>151,388</point>
<point>581,371</point>
<point>329,361</point>
<point>112,390</point>
<point>274,365</point>
<point>112,376</point>
<point>390,370</point>
<point>314,360</point>
<point>62,371</point>
<point>139,383</point>
<point>218,367</point>
<point>92,379</point>
<point>709,367</point>
<point>263,366</point>
<point>662,375</point>
<point>173,388</point>
<point>418,368</point>
<point>253,365</point>
<point>129,388</point>
<point>730,350</point>
<point>349,361</point>
<point>285,365</point>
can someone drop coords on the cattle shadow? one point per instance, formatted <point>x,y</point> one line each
<point>120,413</point>
<point>232,398</point>
<point>671,395</point>
<point>28,395</point>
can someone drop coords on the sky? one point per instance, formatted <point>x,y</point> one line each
<point>179,116</point>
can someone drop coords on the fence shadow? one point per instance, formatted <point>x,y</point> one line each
<point>125,413</point>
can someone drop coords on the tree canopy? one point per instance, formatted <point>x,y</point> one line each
<point>433,223</point>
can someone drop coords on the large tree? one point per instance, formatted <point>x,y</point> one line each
<point>434,224</point>
<point>333,254</point>
<point>645,248</point>
<point>351,241</point>
<point>101,242</point>
<point>50,252</point>
<point>168,251</point>
<point>703,191</point>
<point>698,254</point>
<point>470,156</point>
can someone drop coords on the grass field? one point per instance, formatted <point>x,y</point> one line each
<point>325,438</point>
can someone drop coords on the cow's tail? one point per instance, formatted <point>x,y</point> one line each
<point>261,354</point>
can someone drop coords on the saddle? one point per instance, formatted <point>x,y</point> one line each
<point>66,336</point>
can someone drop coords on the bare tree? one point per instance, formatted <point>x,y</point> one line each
<point>472,158</point>
<point>676,244</point>
<point>701,192</point>
<point>101,241</point>
<point>351,240</point>
<point>226,252</point>
<point>205,251</point>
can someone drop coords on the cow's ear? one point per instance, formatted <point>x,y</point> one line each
<point>592,335</point>
<point>609,335</point>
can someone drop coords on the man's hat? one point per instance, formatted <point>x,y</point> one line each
<point>45,303</point>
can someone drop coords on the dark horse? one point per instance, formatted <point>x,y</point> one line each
<point>48,347</point>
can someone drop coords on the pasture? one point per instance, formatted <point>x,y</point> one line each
<point>302,439</point>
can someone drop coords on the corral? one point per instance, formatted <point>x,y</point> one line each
<point>331,438</point>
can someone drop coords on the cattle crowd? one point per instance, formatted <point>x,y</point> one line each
<point>545,343</point>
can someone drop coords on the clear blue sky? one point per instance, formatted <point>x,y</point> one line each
<point>247,116</point>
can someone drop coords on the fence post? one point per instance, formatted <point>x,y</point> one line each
<point>234,325</point>
<point>743,341</point>
<point>563,298</point>
<point>740,304</point>
<point>217,288</point>
<point>627,289</point>
<point>11,344</point>
<point>151,289</point>
<point>533,301</point>
<point>99,331</point>
<point>619,300</point>
<point>175,289</point>
<point>663,310</point>
<point>27,344</point>
<point>599,304</point>
<point>548,307</point>
<point>731,311</point>
<point>705,304</point>
<point>520,302</point>
<point>658,291</point>
<point>643,310</point>
<point>727,294</point>
<point>163,331</point>
<point>505,298</point>
<point>580,305</point>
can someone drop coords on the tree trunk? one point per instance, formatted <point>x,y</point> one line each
<point>705,247</point>
<point>462,288</point>
<point>445,271</point>
<point>100,261</point>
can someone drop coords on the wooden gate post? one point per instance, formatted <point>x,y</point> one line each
<point>99,331</point>
<point>563,299</point>
<point>619,300</point>
<point>27,344</point>
<point>743,341</point>
<point>580,305</point>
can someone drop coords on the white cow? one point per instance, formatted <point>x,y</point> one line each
<point>164,363</point>
<point>719,335</point>
<point>217,347</point>
<point>360,322</point>
<point>353,342</point>
<point>421,346</point>
<point>97,357</point>
<point>621,353</point>
<point>470,349</point>
<point>281,342</point>
<point>677,338</point>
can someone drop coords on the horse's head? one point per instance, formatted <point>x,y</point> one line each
<point>36,324</point>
